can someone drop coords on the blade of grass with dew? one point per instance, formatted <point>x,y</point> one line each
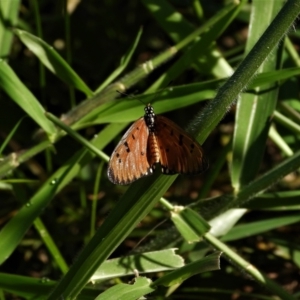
<point>53,61</point>
<point>254,111</point>
<point>14,230</point>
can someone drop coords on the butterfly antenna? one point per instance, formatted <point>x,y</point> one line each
<point>129,96</point>
<point>155,95</point>
<point>161,91</point>
<point>123,94</point>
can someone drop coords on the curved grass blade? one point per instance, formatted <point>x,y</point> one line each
<point>19,93</point>
<point>53,61</point>
<point>148,262</point>
<point>208,263</point>
<point>140,287</point>
<point>123,64</point>
<point>14,230</point>
<point>254,111</point>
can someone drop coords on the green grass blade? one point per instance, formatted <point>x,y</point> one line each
<point>19,93</point>
<point>29,288</point>
<point>148,262</point>
<point>52,60</point>
<point>254,111</point>
<point>279,141</point>
<point>13,160</point>
<point>189,223</point>
<point>169,99</point>
<point>51,246</point>
<point>222,224</point>
<point>124,63</point>
<point>201,48</point>
<point>268,77</point>
<point>77,136</point>
<point>288,200</point>
<point>257,186</point>
<point>9,15</point>
<point>10,135</point>
<point>129,211</point>
<point>14,230</point>
<point>170,20</point>
<point>254,228</point>
<point>209,263</point>
<point>139,288</point>
<point>214,111</point>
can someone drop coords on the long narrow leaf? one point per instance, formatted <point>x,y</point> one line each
<point>19,93</point>
<point>52,60</point>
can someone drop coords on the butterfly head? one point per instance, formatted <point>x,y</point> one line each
<point>150,117</point>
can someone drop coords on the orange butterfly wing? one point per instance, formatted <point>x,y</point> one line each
<point>128,161</point>
<point>178,151</point>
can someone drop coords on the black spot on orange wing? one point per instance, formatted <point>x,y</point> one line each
<point>126,163</point>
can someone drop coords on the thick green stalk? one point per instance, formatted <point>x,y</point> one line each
<point>229,92</point>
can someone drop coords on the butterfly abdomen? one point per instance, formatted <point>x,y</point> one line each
<point>152,150</point>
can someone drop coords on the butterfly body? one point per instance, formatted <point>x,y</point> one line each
<point>153,140</point>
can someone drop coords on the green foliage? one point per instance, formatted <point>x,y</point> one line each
<point>52,57</point>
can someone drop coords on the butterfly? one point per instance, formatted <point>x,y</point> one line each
<point>154,140</point>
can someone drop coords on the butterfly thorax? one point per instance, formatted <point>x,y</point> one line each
<point>150,118</point>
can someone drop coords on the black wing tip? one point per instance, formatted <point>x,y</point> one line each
<point>113,179</point>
